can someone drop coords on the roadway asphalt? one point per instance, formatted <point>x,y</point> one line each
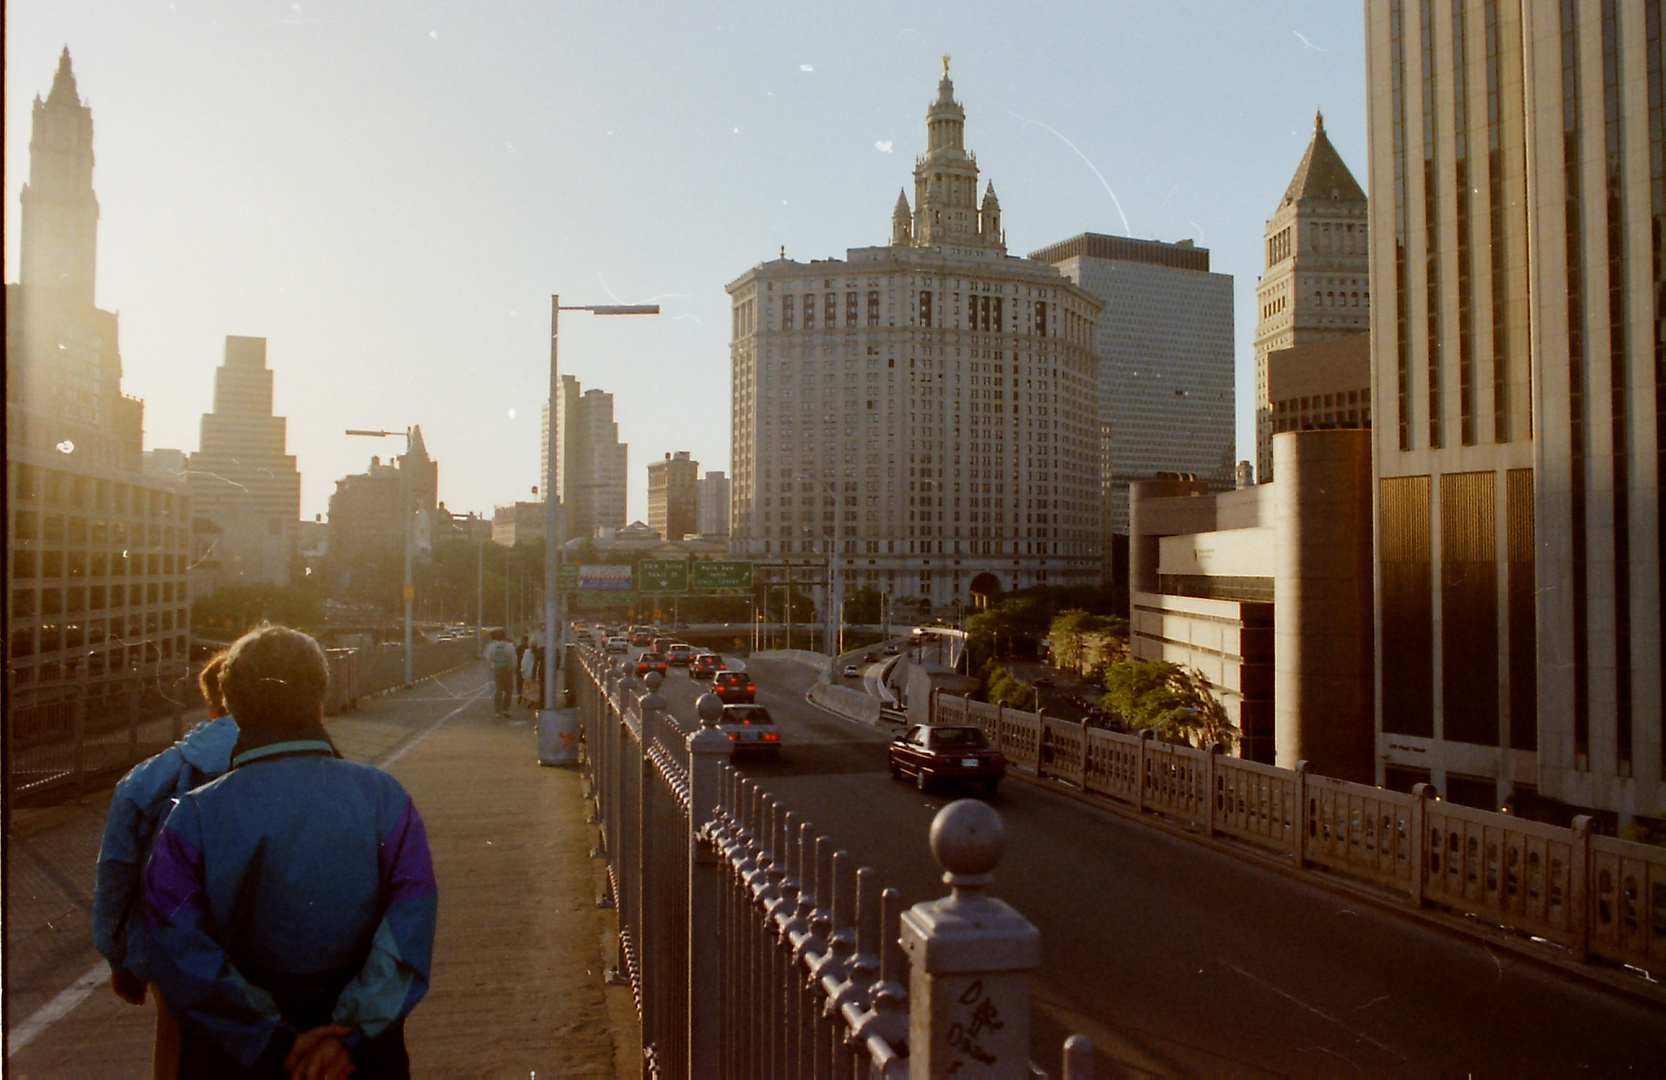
<point>1176,959</point>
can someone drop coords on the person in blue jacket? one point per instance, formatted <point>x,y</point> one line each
<point>291,903</point>
<point>141,801</point>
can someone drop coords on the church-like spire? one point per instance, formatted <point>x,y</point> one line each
<point>59,239</point>
<point>1322,174</point>
<point>63,83</point>
<point>902,221</point>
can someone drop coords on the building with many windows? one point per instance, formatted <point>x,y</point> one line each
<point>922,413</point>
<point>242,480</point>
<point>673,500</point>
<point>712,496</point>
<point>1165,378</point>
<point>591,462</point>
<point>98,549</point>
<point>1519,149</point>
<point>1317,284</point>
<point>371,510</point>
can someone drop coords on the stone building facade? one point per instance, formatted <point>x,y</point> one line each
<point>591,463</point>
<point>97,552</point>
<point>1317,283</point>
<point>923,413</point>
<point>1518,353</point>
<point>673,498</point>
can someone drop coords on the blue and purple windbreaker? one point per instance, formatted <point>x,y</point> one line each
<point>295,862</point>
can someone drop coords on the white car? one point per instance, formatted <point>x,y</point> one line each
<point>852,671</point>
<point>618,644</point>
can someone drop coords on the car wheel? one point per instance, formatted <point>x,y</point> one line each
<point>920,780</point>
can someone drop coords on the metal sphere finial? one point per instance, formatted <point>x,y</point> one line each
<point>653,681</point>
<point>709,708</point>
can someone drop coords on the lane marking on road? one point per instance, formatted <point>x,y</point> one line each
<point>401,750</point>
<point>1316,1011</point>
<point>67,999</point>
<point>56,1009</point>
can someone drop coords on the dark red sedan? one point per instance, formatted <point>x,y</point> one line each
<point>650,661</point>
<point>953,754</point>
<point>734,687</point>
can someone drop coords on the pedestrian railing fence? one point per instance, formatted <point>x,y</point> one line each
<point>755,947</point>
<point>1596,895</point>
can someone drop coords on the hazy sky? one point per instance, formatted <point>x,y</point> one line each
<point>390,192</point>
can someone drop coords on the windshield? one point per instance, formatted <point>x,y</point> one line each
<point>958,739</point>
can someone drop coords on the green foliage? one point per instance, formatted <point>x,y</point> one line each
<point>1079,637</point>
<point>1002,687</point>
<point>1176,703</point>
<point>232,609</point>
<point>862,605</point>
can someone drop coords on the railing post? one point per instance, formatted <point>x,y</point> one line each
<point>1078,1058</point>
<point>1422,795</point>
<point>1579,889</point>
<point>971,957</point>
<point>1001,727</point>
<point>648,709</point>
<point>1298,844</point>
<point>708,749</point>
<point>1139,771</point>
<point>1209,783</point>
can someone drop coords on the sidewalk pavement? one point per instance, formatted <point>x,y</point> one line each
<point>519,959</point>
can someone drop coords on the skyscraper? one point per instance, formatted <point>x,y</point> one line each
<point>98,550</point>
<point>1519,351</point>
<point>371,509</point>
<point>712,495</point>
<point>1165,378</point>
<point>1317,284</point>
<point>241,479</point>
<point>673,505</point>
<point>920,413</point>
<point>591,462</point>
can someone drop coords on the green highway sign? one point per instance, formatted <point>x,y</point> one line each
<point>722,575</point>
<point>603,600</point>
<point>566,577</point>
<point>663,575</point>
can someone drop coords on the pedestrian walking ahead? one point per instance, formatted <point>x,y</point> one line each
<point>291,902</point>
<point>501,658</point>
<point>141,801</point>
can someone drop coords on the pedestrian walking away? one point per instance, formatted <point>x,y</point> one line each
<point>502,660</point>
<point>138,806</point>
<point>291,903</point>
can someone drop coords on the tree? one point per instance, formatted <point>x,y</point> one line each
<point>1002,687</point>
<point>231,609</point>
<point>862,605</point>
<point>1076,636</point>
<point>1176,703</point>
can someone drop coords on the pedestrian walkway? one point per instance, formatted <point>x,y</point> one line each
<point>518,983</point>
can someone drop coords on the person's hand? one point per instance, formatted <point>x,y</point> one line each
<point>128,986</point>
<point>318,1054</point>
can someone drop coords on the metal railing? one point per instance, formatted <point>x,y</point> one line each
<point>1595,895</point>
<point>755,948</point>
<point>102,727</point>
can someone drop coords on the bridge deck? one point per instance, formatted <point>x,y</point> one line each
<point>517,985</point>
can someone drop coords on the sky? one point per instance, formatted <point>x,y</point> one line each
<point>390,193</point>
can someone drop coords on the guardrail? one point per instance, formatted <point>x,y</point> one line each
<point>105,726</point>
<point>1596,895</point>
<point>754,947</point>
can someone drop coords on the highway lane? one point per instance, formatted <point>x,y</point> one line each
<point>1178,960</point>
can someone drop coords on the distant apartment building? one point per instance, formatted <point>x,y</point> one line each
<point>712,496</point>
<point>1266,590</point>
<point>1317,283</point>
<point>1164,347</point>
<point>241,479</point>
<point>591,463</point>
<point>519,522</point>
<point>98,548</point>
<point>372,509</point>
<point>1519,150</point>
<point>924,413</point>
<point>673,499</point>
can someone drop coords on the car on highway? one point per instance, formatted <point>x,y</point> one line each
<point>891,650</point>
<point>852,671</point>
<point>947,753</point>
<point>618,644</point>
<point>661,644</point>
<point>680,654</point>
<point>706,665</point>
<point>650,661</point>
<point>641,637</point>
<point>734,687</point>
<point>870,658</point>
<point>751,729</point>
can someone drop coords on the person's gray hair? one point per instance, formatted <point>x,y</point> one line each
<point>274,676</point>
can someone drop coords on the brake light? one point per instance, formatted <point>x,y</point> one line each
<point>770,736</point>
<point>733,737</point>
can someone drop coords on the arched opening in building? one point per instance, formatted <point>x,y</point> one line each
<point>985,590</point>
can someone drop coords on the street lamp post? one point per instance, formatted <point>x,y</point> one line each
<point>409,589</point>
<point>835,614</point>
<point>555,625</point>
